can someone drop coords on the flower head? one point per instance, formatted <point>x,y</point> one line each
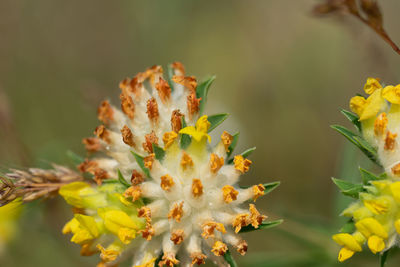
<point>176,197</point>
<point>375,216</point>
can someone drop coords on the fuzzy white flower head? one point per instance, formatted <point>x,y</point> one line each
<point>194,208</point>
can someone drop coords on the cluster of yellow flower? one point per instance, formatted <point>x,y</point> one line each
<point>376,214</point>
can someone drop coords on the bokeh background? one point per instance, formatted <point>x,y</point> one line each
<point>282,74</point>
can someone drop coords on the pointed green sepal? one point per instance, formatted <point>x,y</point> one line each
<point>170,74</point>
<point>202,92</point>
<point>229,259</point>
<point>159,152</point>
<point>349,227</point>
<point>75,158</point>
<point>122,180</point>
<point>245,154</point>
<point>368,176</point>
<point>264,225</point>
<point>353,118</point>
<point>140,161</point>
<point>358,141</point>
<point>232,147</point>
<point>348,188</point>
<point>216,120</point>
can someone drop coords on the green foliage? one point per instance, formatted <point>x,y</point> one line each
<point>245,154</point>
<point>202,92</point>
<point>367,176</point>
<point>229,259</point>
<point>122,180</point>
<point>216,120</point>
<point>75,158</point>
<point>349,227</point>
<point>359,142</point>
<point>383,257</point>
<point>170,74</point>
<point>140,161</point>
<point>353,118</point>
<point>348,188</point>
<point>264,225</point>
<point>159,152</point>
<point>185,138</point>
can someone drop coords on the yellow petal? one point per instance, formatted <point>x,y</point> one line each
<point>72,193</point>
<point>88,223</point>
<point>372,85</point>
<point>395,190</point>
<point>377,206</point>
<point>126,235</point>
<point>397,225</point>
<point>115,219</point>
<point>358,104</point>
<point>71,226</point>
<point>370,226</point>
<point>197,135</point>
<point>202,124</point>
<point>392,94</point>
<point>376,244</point>
<point>347,240</point>
<point>373,105</point>
<point>345,254</point>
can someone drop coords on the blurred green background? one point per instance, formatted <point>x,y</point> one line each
<point>282,74</point>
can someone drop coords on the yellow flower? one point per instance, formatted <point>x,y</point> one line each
<point>392,94</point>
<point>200,131</point>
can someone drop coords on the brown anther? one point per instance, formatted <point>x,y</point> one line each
<point>149,161</point>
<point>134,192</point>
<point>127,136</point>
<point>189,82</point>
<point>258,191</point>
<point>178,66</point>
<point>152,72</point>
<point>127,105</point>
<point>176,120</point>
<point>396,169</point>
<point>197,188</point>
<point>193,104</point>
<point>152,110</point>
<point>151,139</point>
<point>136,178</point>
<point>229,193</point>
<point>134,85</point>
<point>241,220</point>
<point>255,217</point>
<point>102,133</point>
<point>92,144</point>
<point>177,236</point>
<point>209,227</point>
<point>198,258</point>
<point>164,91</point>
<point>226,139</point>
<point>88,250</point>
<point>105,112</point>
<point>167,182</point>
<point>219,248</point>
<point>169,260</point>
<point>169,138</point>
<point>380,124</point>
<point>241,164</point>
<point>216,163</point>
<point>242,247</point>
<point>76,210</point>
<point>100,175</point>
<point>88,166</point>
<point>124,83</point>
<point>186,161</point>
<point>176,212</point>
<point>390,141</point>
<point>145,212</point>
<point>148,232</point>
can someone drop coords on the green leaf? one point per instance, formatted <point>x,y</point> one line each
<point>229,259</point>
<point>383,257</point>
<point>159,152</point>
<point>75,158</point>
<point>363,145</point>
<point>368,176</point>
<point>349,227</point>
<point>202,91</point>
<point>233,144</point>
<point>216,120</point>
<point>170,74</point>
<point>347,188</point>
<point>269,187</point>
<point>264,225</point>
<point>245,154</point>
<point>140,161</point>
<point>185,138</point>
<point>353,118</point>
<point>122,180</point>
<point>110,181</point>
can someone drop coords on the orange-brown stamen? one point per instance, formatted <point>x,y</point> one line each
<point>229,193</point>
<point>178,66</point>
<point>198,258</point>
<point>258,191</point>
<point>92,144</point>
<point>197,188</point>
<point>189,82</point>
<point>241,220</point>
<point>151,139</point>
<point>390,141</point>
<point>167,182</point>
<point>177,236</point>
<point>169,260</point>
<point>127,105</point>
<point>152,110</point>
<point>380,124</point>
<point>149,161</point>
<point>242,247</point>
<point>241,164</point>
<point>102,133</point>
<point>176,120</point>
<point>127,136</point>
<point>186,161</point>
<point>255,217</point>
<point>164,91</point>
<point>133,191</point>
<point>136,178</point>
<point>176,212</point>
<point>209,227</point>
<point>193,104</point>
<point>169,138</point>
<point>216,163</point>
<point>105,112</point>
<point>226,139</point>
<point>219,248</point>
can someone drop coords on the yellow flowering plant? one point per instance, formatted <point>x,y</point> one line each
<point>374,217</point>
<point>154,186</point>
